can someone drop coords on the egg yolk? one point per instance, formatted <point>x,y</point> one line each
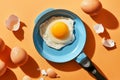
<point>60,30</point>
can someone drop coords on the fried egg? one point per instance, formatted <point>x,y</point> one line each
<point>57,32</point>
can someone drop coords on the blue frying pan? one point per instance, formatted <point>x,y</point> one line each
<point>69,52</point>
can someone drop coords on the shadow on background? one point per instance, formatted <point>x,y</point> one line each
<point>105,34</point>
<point>5,56</point>
<point>31,68</point>
<point>9,75</point>
<point>88,49</point>
<point>20,33</point>
<point>107,19</point>
<point>90,42</point>
<point>111,48</point>
<point>100,71</point>
<point>68,66</point>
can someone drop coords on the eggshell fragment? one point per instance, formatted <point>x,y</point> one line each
<point>51,73</point>
<point>2,45</point>
<point>43,72</point>
<point>18,56</point>
<point>108,43</point>
<point>3,67</point>
<point>99,28</point>
<point>26,78</point>
<point>42,79</point>
<point>13,23</point>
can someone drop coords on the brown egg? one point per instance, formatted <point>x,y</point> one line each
<point>2,45</point>
<point>3,68</point>
<point>91,7</point>
<point>51,73</point>
<point>18,56</point>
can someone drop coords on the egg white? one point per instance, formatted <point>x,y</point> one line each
<point>52,41</point>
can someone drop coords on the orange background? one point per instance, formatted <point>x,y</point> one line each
<point>107,60</point>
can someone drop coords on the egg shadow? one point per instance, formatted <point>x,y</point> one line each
<point>31,68</point>
<point>111,48</point>
<point>9,75</point>
<point>107,19</point>
<point>88,49</point>
<point>105,34</point>
<point>5,56</point>
<point>20,33</point>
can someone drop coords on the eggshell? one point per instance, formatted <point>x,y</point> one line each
<point>91,7</point>
<point>42,79</point>
<point>13,23</point>
<point>43,72</point>
<point>99,28</point>
<point>3,68</point>
<point>18,56</point>
<point>51,73</point>
<point>2,45</point>
<point>26,78</point>
<point>108,43</point>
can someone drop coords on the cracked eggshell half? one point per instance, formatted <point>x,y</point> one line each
<point>108,43</point>
<point>13,23</point>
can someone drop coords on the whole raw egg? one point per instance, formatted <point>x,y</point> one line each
<point>18,56</point>
<point>91,7</point>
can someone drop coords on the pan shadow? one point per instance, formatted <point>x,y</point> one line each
<point>20,33</point>
<point>107,19</point>
<point>68,66</point>
<point>5,56</point>
<point>31,68</point>
<point>88,49</point>
<point>9,75</point>
<point>90,42</point>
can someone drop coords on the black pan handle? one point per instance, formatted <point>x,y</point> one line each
<point>87,64</point>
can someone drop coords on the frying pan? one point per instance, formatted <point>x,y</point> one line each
<point>69,52</point>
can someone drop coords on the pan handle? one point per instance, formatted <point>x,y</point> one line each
<point>87,64</point>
